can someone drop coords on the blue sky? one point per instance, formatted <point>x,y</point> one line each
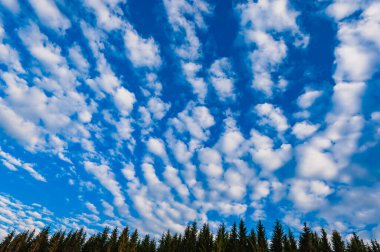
<point>156,113</point>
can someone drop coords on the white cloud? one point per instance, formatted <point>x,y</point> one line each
<point>50,15</point>
<point>258,20</point>
<point>194,119</point>
<point>22,130</point>
<point>108,209</point>
<point>304,129</point>
<point>211,162</point>
<point>341,9</point>
<point>273,116</point>
<point>11,163</point>
<point>265,59</point>
<point>261,190</point>
<point>309,195</point>
<point>107,179</point>
<point>185,18</point>
<point>157,147</point>
<point>308,98</point>
<point>264,153</point>
<point>172,178</point>
<point>106,13</point>
<point>124,100</point>
<point>78,59</point>
<point>8,55</point>
<point>158,108</point>
<point>191,71</point>
<point>11,5</point>
<point>91,207</point>
<point>141,52</point>
<point>221,78</point>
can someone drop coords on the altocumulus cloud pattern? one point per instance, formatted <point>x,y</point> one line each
<point>155,113</point>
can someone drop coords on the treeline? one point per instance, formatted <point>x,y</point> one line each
<point>235,239</point>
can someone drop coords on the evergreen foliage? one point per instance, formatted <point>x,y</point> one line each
<point>234,239</point>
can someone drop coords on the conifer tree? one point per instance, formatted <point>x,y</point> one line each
<point>233,240</point>
<point>262,242</point>
<point>205,239</point>
<point>306,240</point>
<point>56,242</point>
<point>252,241</point>
<point>112,242</point>
<point>123,241</point>
<point>132,246</point>
<point>356,244</point>
<point>337,242</point>
<point>290,243</point>
<point>276,244</point>
<point>242,237</point>
<point>190,237</point>
<point>41,242</point>
<point>324,243</point>
<point>7,240</point>
<point>374,246</point>
<point>221,239</point>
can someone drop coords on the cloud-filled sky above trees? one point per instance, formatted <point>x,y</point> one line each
<point>155,113</point>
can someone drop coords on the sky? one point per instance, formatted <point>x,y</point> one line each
<point>155,113</point>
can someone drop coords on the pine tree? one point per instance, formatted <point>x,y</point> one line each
<point>123,241</point>
<point>233,240</point>
<point>132,246</point>
<point>290,243</point>
<point>221,239</point>
<point>374,246</point>
<point>190,237</point>
<point>306,240</point>
<point>56,242</point>
<point>7,240</point>
<point>205,239</point>
<point>276,244</point>
<point>252,241</point>
<point>262,242</point>
<point>242,237</point>
<point>41,242</point>
<point>324,243</point>
<point>337,242</point>
<point>356,244</point>
<point>111,245</point>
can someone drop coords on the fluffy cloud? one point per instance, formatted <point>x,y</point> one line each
<point>309,195</point>
<point>49,14</point>
<point>264,153</point>
<point>11,163</point>
<point>308,98</point>
<point>221,78</point>
<point>304,129</point>
<point>106,178</point>
<point>142,52</point>
<point>258,21</point>
<point>272,116</point>
<point>91,207</point>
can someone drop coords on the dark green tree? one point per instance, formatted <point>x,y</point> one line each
<point>356,244</point>
<point>233,240</point>
<point>290,243</point>
<point>242,237</point>
<point>262,242</point>
<point>276,244</point>
<point>221,239</point>
<point>337,242</point>
<point>306,240</point>
<point>205,239</point>
<point>252,241</point>
<point>324,242</point>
